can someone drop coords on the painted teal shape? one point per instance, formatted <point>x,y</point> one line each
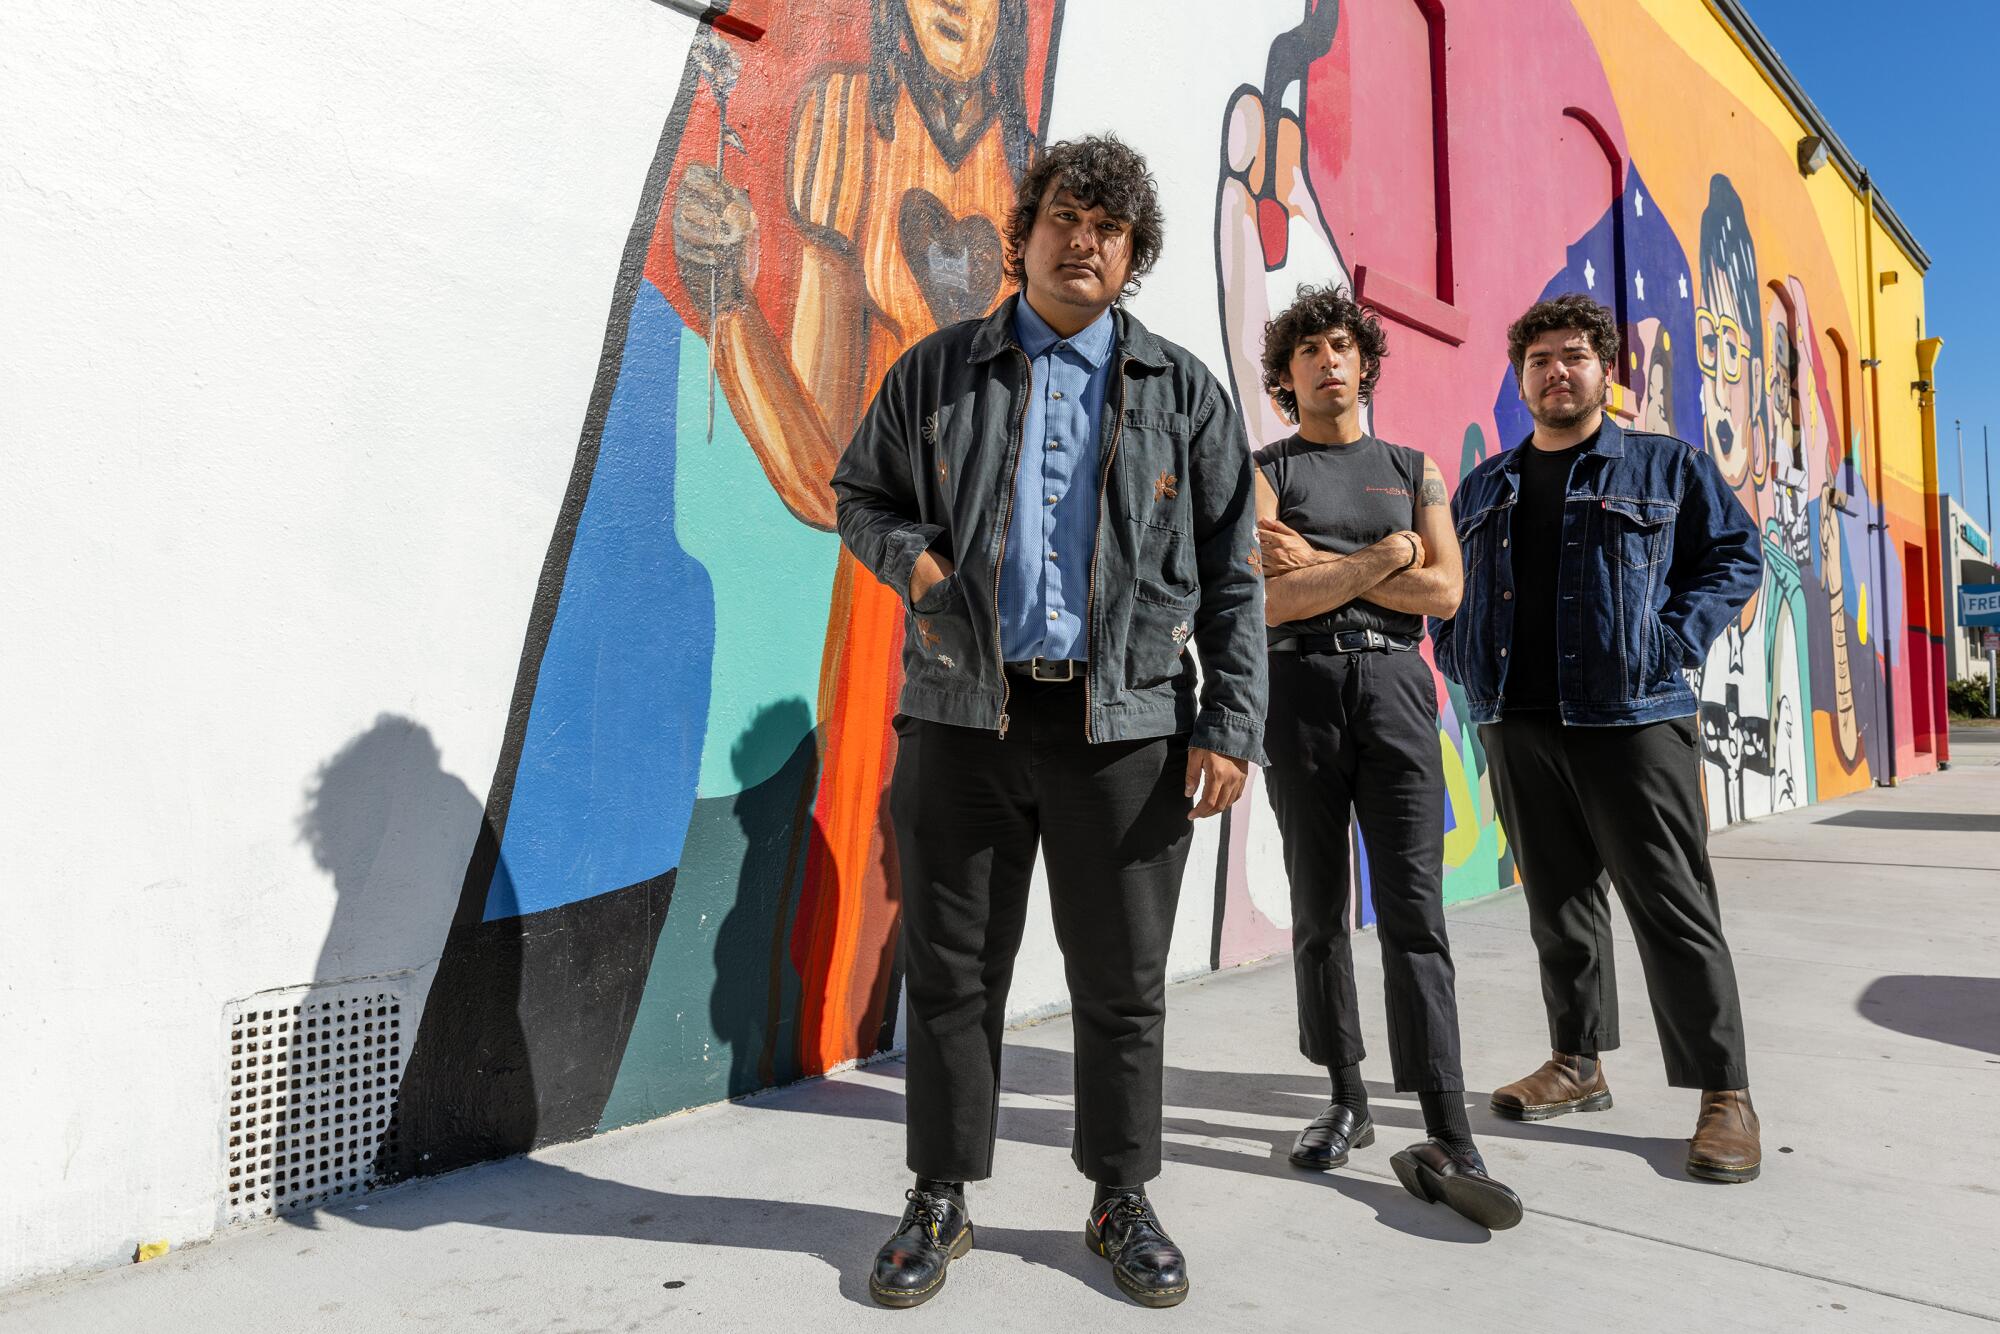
<point>722,996</point>
<point>773,579</point>
<point>606,779</point>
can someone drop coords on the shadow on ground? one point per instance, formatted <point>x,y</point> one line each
<point>1961,1011</point>
<point>529,1195</point>
<point>1934,822</point>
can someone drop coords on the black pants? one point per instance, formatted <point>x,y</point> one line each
<point>1578,802</point>
<point>1111,819</point>
<point>1356,734</point>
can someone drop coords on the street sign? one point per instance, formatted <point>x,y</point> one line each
<point>1990,640</point>
<point>1979,604</point>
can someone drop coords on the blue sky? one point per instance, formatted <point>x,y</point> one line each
<point>1911,90</point>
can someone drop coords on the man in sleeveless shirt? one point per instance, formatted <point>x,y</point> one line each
<point>1601,564</point>
<point>1357,549</point>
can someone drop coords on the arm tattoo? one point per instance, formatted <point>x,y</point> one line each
<point>1431,492</point>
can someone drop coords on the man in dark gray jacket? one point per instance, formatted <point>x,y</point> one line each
<point>1066,502</point>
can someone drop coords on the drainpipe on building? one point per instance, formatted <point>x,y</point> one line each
<point>1926,387</point>
<point>1879,530</point>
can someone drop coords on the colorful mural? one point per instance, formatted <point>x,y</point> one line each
<point>684,888</point>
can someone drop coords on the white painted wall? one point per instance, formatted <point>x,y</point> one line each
<point>305,305</point>
<point>303,308</point>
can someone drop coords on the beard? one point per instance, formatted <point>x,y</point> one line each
<point>1558,417</point>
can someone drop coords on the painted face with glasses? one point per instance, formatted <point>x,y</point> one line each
<point>1729,379</point>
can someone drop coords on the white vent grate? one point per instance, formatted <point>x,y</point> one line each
<point>312,1082</point>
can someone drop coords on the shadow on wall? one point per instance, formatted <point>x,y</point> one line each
<point>749,1008</point>
<point>1961,1011</point>
<point>393,829</point>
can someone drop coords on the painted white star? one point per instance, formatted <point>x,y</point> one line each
<point>1638,203</point>
<point>1589,275</point>
<point>1639,281</point>
<point>1684,287</point>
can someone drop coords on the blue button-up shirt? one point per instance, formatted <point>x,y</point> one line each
<point>1045,580</point>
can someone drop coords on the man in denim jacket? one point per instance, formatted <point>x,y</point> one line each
<point>1067,504</point>
<point>1600,565</point>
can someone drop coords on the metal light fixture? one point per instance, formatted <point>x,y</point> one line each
<point>1812,154</point>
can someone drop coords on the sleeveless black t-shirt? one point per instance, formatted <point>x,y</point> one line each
<point>1343,498</point>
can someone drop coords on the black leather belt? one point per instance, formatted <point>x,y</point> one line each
<point>1050,669</point>
<point>1346,641</point>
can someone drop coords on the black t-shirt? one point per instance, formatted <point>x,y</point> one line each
<point>1344,498</point>
<point>1536,542</point>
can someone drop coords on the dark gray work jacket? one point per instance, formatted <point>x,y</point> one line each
<point>1175,560</point>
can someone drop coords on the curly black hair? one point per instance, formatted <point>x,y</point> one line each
<point>1571,310</point>
<point>1102,171</point>
<point>1320,310</point>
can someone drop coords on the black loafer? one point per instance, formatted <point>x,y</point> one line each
<point>910,1267</point>
<point>1324,1143</point>
<point>1435,1174</point>
<point>1144,1260</point>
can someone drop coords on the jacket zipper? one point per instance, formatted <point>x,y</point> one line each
<point>1006,521</point>
<point>1096,544</point>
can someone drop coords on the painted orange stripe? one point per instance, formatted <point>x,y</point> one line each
<point>860,674</point>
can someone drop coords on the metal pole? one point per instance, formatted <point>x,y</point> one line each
<point>1959,427</point>
<point>1987,446</point>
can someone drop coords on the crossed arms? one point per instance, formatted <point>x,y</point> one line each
<point>1416,571</point>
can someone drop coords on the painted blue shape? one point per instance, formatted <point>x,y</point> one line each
<point>774,608</point>
<point>1659,284</point>
<point>606,780</point>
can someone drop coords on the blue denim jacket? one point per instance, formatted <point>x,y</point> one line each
<point>1657,557</point>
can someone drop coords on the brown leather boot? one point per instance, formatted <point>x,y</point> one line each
<point>1725,1146</point>
<point>1553,1090</point>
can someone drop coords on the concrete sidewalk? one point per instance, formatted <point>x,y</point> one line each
<point>1865,932</point>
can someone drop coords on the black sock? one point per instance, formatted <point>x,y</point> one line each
<point>955,1189</point>
<point>1348,1090</point>
<point>1444,1119</point>
<point>1105,1192</point>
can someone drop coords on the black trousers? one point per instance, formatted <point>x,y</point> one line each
<point>1355,735</point>
<point>1580,802</point>
<point>1111,820</point>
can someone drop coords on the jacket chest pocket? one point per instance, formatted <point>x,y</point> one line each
<point>1152,461</point>
<point>1636,532</point>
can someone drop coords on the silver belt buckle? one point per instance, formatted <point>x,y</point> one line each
<point>1035,670</point>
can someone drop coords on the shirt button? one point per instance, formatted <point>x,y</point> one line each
<point>1504,542</point>
<point>1052,555</point>
<point>1055,615</point>
<point>1055,444</point>
<point>1506,595</point>
<point>1503,652</point>
<point>1052,500</point>
<point>1055,393</point>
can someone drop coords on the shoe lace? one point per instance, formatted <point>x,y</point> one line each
<point>928,1208</point>
<point>1128,1209</point>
